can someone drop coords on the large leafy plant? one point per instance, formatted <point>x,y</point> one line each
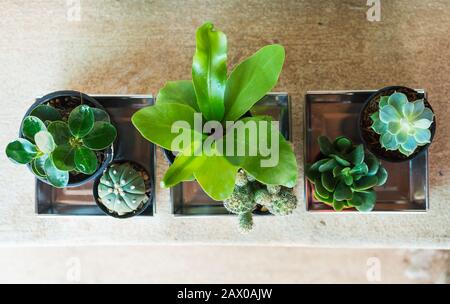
<point>345,175</point>
<point>54,147</point>
<point>220,97</point>
<point>401,124</point>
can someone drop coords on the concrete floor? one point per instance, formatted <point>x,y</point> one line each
<point>220,264</point>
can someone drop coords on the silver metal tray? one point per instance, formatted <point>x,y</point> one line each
<point>130,145</point>
<point>336,113</point>
<point>189,199</point>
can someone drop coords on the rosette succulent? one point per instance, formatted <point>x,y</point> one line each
<point>248,194</point>
<point>122,189</point>
<point>345,175</point>
<point>401,124</point>
<point>54,147</point>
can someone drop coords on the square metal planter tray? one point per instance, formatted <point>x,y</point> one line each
<point>335,113</point>
<point>130,145</point>
<point>189,199</point>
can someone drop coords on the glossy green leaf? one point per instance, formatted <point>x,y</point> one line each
<point>101,115</point>
<point>44,141</point>
<point>81,121</point>
<point>326,148</point>
<point>181,92</point>
<point>328,181</point>
<point>342,192</point>
<point>155,122</point>
<point>340,160</point>
<point>329,165</point>
<point>320,189</point>
<point>64,157</point>
<point>317,164</point>
<point>348,179</point>
<point>21,151</point>
<point>342,144</point>
<point>382,176</point>
<point>101,136</point>
<point>46,113</point>
<point>58,178</point>
<point>85,160</point>
<point>360,169</point>
<point>338,205</point>
<point>60,132</point>
<point>356,157</point>
<point>368,200</point>
<point>38,166</point>
<point>372,163</point>
<point>181,170</point>
<point>209,71</point>
<point>32,125</point>
<point>252,79</point>
<point>365,183</point>
<point>327,200</point>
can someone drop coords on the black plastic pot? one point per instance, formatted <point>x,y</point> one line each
<point>78,179</point>
<point>371,139</point>
<point>150,187</point>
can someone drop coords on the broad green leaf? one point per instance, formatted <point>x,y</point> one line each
<point>38,166</point>
<point>155,123</point>
<point>382,176</point>
<point>44,141</point>
<point>101,136</point>
<point>366,182</point>
<point>21,151</point>
<point>100,115</point>
<point>46,113</point>
<point>181,170</point>
<point>58,178</point>
<point>342,192</point>
<point>64,157</point>
<point>85,160</point>
<point>81,121</point>
<point>368,199</point>
<point>60,132</point>
<point>252,79</point>
<point>32,125</point>
<point>181,92</point>
<point>325,145</point>
<point>209,71</point>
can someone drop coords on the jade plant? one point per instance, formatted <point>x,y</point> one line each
<point>216,95</point>
<point>345,175</point>
<point>122,189</point>
<point>401,124</point>
<point>54,148</point>
<point>249,193</point>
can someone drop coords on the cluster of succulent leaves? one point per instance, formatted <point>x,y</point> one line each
<point>54,147</point>
<point>122,189</point>
<point>249,193</point>
<point>346,175</point>
<point>401,124</point>
<point>219,97</point>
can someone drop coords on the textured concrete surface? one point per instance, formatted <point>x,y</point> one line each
<point>135,46</point>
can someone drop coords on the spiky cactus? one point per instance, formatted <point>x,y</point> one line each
<point>402,125</point>
<point>122,189</point>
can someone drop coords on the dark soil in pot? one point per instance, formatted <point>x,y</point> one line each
<point>149,191</point>
<point>371,139</point>
<point>65,102</point>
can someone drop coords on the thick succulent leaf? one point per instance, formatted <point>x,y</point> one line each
<point>383,101</point>
<point>356,157</point>
<point>360,169</point>
<point>60,132</point>
<point>379,127</point>
<point>81,121</point>
<point>372,163</point>
<point>341,161</point>
<point>419,107</point>
<point>328,181</point>
<point>155,122</point>
<point>382,176</point>
<point>101,115</point>
<point>422,136</point>
<point>252,79</point>
<point>21,151</point>
<point>329,165</point>
<point>375,117</point>
<point>326,148</point>
<point>317,164</point>
<point>410,144</point>
<point>321,190</point>
<point>101,136</point>
<point>181,92</point>
<point>342,192</point>
<point>426,114</point>
<point>368,199</point>
<point>338,205</point>
<point>85,160</point>
<point>394,127</point>
<point>342,144</point>
<point>311,175</point>
<point>422,123</point>
<point>31,126</point>
<point>364,183</point>
<point>38,166</point>
<point>348,179</point>
<point>327,200</point>
<point>44,141</point>
<point>404,152</point>
<point>398,101</point>
<point>46,113</point>
<point>357,200</point>
<point>408,110</point>
<point>388,141</point>
<point>209,71</point>
<point>401,137</point>
<point>56,177</point>
<point>388,114</point>
<point>64,157</point>
<point>337,171</point>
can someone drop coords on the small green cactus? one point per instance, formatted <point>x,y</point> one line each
<point>240,201</point>
<point>346,175</point>
<point>245,222</point>
<point>283,203</point>
<point>401,124</point>
<point>122,189</point>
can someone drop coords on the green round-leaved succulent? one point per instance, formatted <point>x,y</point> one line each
<point>346,175</point>
<point>402,125</point>
<point>122,189</point>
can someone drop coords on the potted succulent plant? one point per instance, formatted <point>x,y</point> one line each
<point>124,190</point>
<point>344,175</point>
<point>216,96</point>
<point>65,139</point>
<point>397,124</point>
